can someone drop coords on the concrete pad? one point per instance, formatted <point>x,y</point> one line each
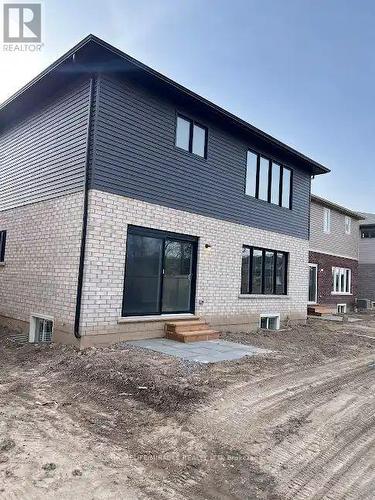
<point>332,317</point>
<point>210,351</point>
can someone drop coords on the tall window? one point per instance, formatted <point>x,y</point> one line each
<point>3,235</point>
<point>348,223</point>
<point>342,280</point>
<point>327,220</point>
<point>191,136</point>
<point>263,271</point>
<point>268,180</point>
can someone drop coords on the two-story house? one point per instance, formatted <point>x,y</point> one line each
<point>366,280</point>
<point>333,259</point>
<point>127,201</point>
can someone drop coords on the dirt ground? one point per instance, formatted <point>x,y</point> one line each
<point>123,422</point>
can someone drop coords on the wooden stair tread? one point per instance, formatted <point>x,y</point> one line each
<point>195,333</point>
<point>191,322</point>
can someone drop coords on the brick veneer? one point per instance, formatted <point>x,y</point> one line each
<point>325,263</point>
<point>41,260</point>
<point>218,275</point>
<point>42,255</point>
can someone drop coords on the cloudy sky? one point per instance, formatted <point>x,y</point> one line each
<point>301,70</point>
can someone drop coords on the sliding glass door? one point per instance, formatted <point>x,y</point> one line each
<point>159,273</point>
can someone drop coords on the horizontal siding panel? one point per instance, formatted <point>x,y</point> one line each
<point>135,156</point>
<point>43,156</point>
<point>336,242</point>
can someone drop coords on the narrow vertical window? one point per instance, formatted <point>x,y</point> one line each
<point>251,173</point>
<point>285,196</point>
<point>199,140</point>
<point>269,267</point>
<point>183,133</point>
<point>275,184</point>
<point>3,235</point>
<point>264,168</point>
<point>327,220</point>
<point>348,223</point>
<point>348,275</point>
<point>257,271</point>
<point>245,270</point>
<point>280,273</point>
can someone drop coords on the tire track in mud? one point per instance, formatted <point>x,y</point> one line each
<point>333,407</point>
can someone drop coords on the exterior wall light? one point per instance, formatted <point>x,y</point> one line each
<point>207,247</point>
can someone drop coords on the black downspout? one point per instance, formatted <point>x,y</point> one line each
<point>85,212</point>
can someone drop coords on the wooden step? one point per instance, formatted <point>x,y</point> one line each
<point>185,326</point>
<point>193,336</point>
<point>319,310</point>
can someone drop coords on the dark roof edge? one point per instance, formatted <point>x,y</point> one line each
<point>335,206</point>
<point>316,167</point>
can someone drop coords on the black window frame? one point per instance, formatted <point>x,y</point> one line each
<point>3,238</point>
<point>269,187</point>
<point>192,122</point>
<point>250,283</point>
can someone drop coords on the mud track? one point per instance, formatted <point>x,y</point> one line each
<point>121,422</point>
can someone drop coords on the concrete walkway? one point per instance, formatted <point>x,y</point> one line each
<point>212,351</point>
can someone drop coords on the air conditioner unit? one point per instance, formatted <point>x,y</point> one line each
<point>364,304</point>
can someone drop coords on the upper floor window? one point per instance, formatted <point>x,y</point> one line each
<point>348,224</point>
<point>368,233</point>
<point>263,271</point>
<point>268,180</point>
<point>191,136</point>
<point>327,220</point>
<point>3,235</point>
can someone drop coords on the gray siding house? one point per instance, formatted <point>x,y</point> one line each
<point>127,201</point>
<point>366,283</point>
<point>333,258</point>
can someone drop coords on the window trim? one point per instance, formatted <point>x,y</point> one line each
<point>250,284</point>
<point>3,239</point>
<point>311,264</point>
<point>348,224</point>
<point>341,305</point>
<point>268,317</point>
<point>337,270</point>
<point>283,167</point>
<point>192,122</point>
<point>327,229</point>
<point>34,318</point>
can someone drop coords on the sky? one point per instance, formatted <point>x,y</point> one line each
<point>301,70</point>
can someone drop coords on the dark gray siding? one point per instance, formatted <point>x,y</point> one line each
<point>43,156</point>
<point>135,156</point>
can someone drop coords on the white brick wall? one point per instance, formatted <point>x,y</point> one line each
<point>219,271</point>
<point>41,260</point>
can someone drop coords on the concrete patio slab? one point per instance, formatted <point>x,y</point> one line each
<point>332,317</point>
<point>211,351</point>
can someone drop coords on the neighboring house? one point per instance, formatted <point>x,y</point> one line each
<point>333,260</point>
<point>366,285</point>
<point>126,200</point>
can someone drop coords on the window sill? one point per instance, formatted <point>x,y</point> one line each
<point>261,296</point>
<point>156,317</point>
<point>2,264</point>
<point>341,293</point>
